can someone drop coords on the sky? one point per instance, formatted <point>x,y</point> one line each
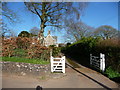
<point>95,15</point>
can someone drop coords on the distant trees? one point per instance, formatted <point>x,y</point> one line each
<point>77,30</point>
<point>106,32</point>
<point>34,30</point>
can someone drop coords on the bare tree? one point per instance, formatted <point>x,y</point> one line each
<point>106,32</point>
<point>34,30</point>
<point>77,30</point>
<point>8,13</point>
<point>50,13</point>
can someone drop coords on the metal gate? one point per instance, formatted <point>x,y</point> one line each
<point>58,64</point>
<point>98,62</point>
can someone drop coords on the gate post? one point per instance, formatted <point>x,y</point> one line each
<point>63,62</point>
<point>51,60</point>
<point>90,59</point>
<point>102,62</point>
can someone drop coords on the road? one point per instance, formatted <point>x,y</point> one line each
<point>73,78</point>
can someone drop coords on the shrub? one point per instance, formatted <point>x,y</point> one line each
<point>37,51</point>
<point>56,51</point>
<point>111,72</point>
<point>23,42</point>
<point>81,50</point>
<point>8,46</point>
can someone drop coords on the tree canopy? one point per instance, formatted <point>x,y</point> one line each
<point>106,32</point>
<point>24,34</point>
<point>50,13</point>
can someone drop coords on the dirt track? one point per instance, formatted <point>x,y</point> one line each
<point>71,79</point>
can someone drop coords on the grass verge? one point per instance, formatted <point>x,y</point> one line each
<point>25,60</point>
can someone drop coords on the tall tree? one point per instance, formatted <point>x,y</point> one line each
<point>106,32</point>
<point>50,13</point>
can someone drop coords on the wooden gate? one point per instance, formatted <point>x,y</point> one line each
<point>58,64</point>
<point>98,62</point>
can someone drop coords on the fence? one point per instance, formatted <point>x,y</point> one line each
<point>98,62</point>
<point>58,64</point>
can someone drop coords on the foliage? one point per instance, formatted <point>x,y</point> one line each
<point>24,34</point>
<point>112,73</point>
<point>23,42</point>
<point>25,48</point>
<point>24,60</point>
<point>20,53</point>
<point>111,49</point>
<point>106,32</point>
<point>56,51</point>
<point>81,50</point>
<point>8,46</point>
<point>37,51</point>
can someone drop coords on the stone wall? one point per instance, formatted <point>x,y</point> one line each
<point>25,68</point>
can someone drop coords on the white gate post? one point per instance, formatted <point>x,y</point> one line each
<point>51,60</point>
<point>90,59</point>
<point>63,62</point>
<point>102,62</point>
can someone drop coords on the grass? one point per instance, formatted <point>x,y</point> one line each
<point>112,73</point>
<point>73,63</point>
<point>24,60</point>
<point>20,53</point>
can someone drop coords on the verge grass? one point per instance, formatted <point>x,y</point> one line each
<point>25,60</point>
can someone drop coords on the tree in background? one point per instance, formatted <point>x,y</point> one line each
<point>10,16</point>
<point>77,30</point>
<point>50,13</point>
<point>8,13</point>
<point>34,30</point>
<point>106,32</point>
<point>24,34</point>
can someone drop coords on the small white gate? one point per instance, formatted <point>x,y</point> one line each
<point>58,64</point>
<point>98,62</point>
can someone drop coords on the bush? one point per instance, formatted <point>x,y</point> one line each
<point>111,72</point>
<point>8,46</point>
<point>56,51</point>
<point>81,50</point>
<point>23,42</point>
<point>37,51</point>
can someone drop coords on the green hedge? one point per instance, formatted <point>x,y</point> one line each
<point>81,50</point>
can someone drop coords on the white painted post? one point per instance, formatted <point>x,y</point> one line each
<point>63,64</point>
<point>102,62</point>
<point>90,59</point>
<point>51,60</point>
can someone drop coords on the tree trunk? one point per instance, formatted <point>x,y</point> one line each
<point>41,33</point>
